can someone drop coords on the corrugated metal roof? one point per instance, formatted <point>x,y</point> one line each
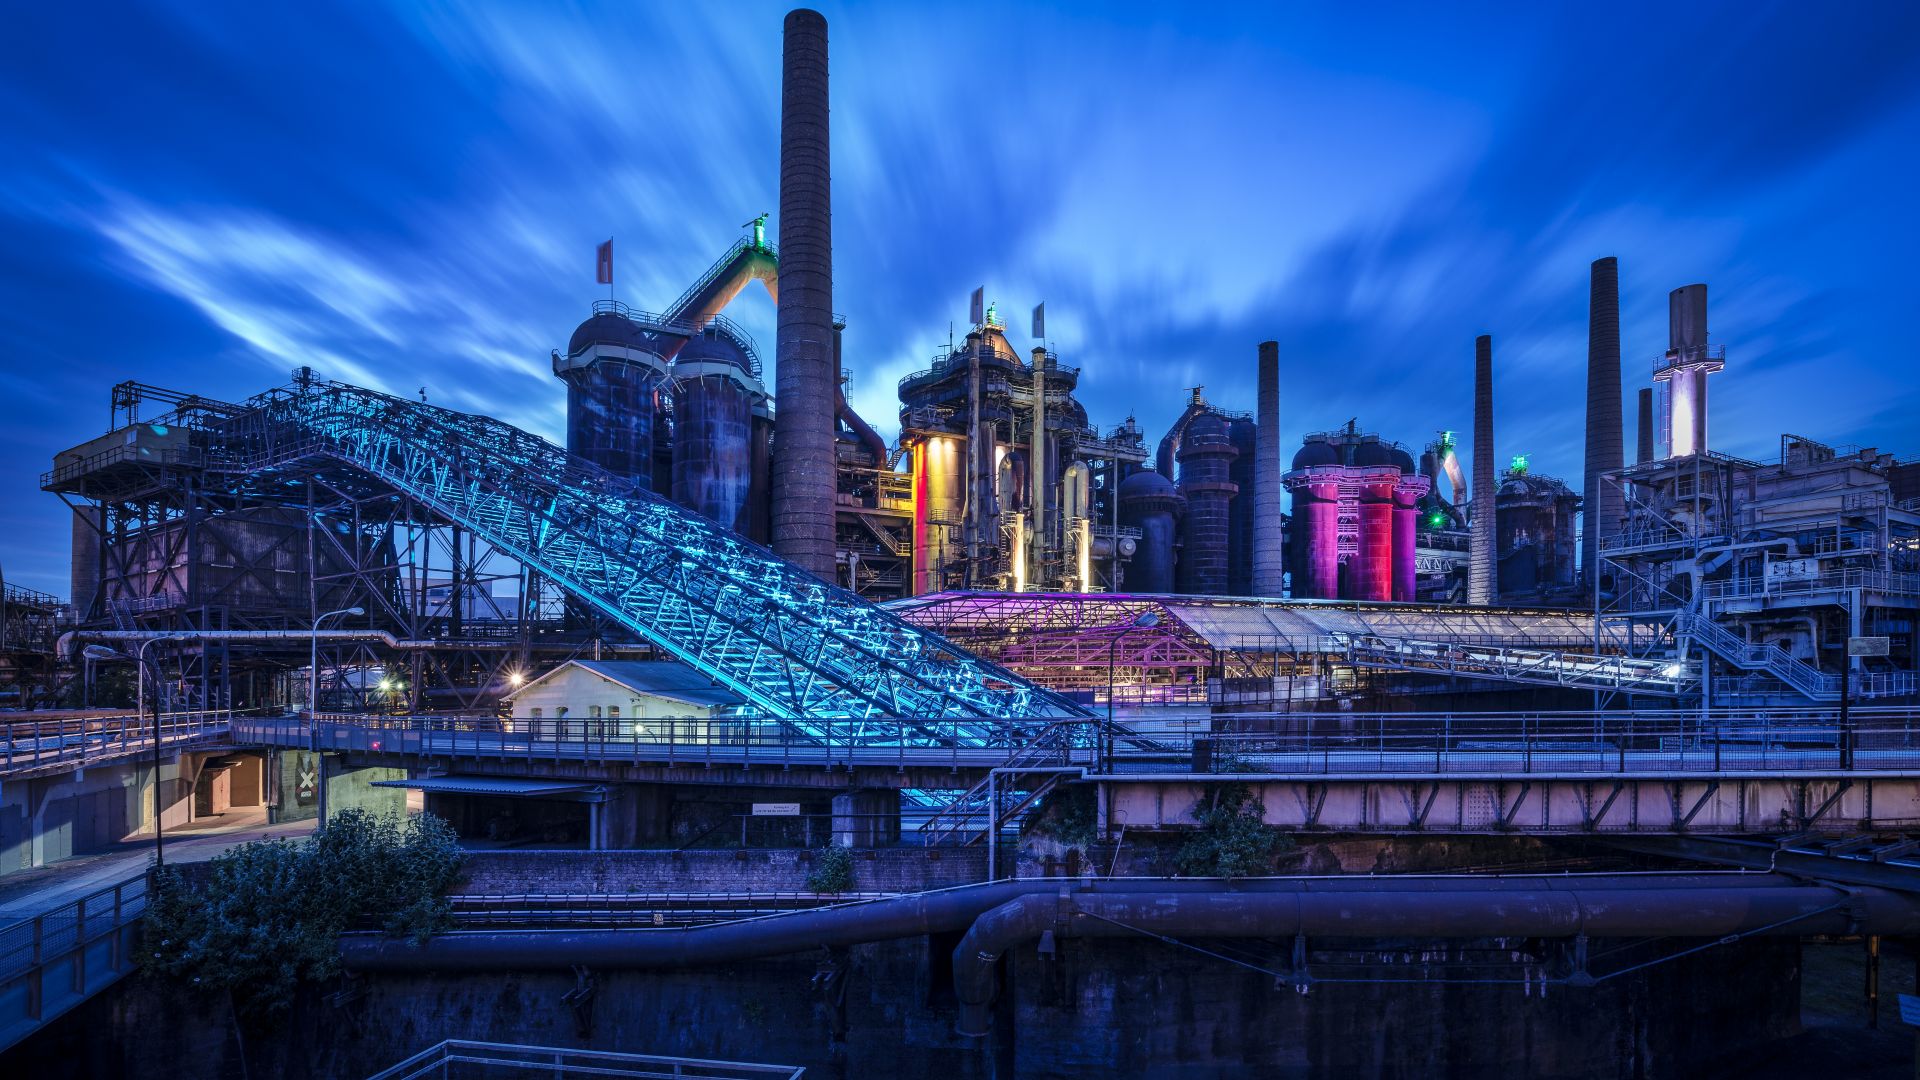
<point>493,785</point>
<point>659,678</point>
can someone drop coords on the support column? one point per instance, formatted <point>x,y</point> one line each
<point>866,818</point>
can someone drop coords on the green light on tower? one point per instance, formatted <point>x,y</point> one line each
<point>1519,465</point>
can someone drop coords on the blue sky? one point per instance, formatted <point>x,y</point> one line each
<point>206,196</point>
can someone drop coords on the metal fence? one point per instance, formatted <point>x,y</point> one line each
<point>30,943</point>
<point>461,1058</point>
<point>80,740</point>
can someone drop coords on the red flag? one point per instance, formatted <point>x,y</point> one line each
<point>603,265</point>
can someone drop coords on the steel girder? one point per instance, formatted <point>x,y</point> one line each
<point>794,646</point>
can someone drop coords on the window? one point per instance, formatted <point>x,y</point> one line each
<point>560,712</point>
<point>593,711</point>
<point>613,711</point>
<point>537,712</point>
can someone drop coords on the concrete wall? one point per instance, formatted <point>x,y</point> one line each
<point>46,819</point>
<point>581,692</point>
<point>346,787</point>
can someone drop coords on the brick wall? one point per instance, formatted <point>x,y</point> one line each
<point>578,872</point>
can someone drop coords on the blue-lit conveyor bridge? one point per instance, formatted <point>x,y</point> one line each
<point>797,648</point>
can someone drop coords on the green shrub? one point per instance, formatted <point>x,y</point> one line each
<point>1234,839</point>
<point>1066,814</point>
<point>832,870</point>
<point>269,912</point>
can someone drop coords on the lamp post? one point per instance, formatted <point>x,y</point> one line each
<point>141,663</point>
<point>1141,621</point>
<point>313,710</point>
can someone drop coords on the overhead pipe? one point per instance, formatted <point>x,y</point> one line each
<point>64,645</point>
<point>951,910</point>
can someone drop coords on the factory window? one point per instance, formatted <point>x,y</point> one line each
<point>613,711</point>
<point>537,712</point>
<point>560,712</point>
<point>593,711</point>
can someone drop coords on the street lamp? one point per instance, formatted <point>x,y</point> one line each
<point>141,664</point>
<point>313,709</point>
<point>1142,621</point>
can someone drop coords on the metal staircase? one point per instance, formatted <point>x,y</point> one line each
<point>1814,684</point>
<point>794,646</point>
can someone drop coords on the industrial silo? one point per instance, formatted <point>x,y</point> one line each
<point>1245,435</point>
<point>1314,481</point>
<point>612,374</point>
<point>1149,503</point>
<point>1372,577</point>
<point>715,390</point>
<point>1406,518</point>
<point>1206,482</point>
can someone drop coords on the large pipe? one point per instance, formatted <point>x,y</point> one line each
<point>1604,502</point>
<point>803,462</point>
<point>951,910</point>
<point>64,646</point>
<point>1481,535</point>
<point>1643,445</point>
<point>1269,550</point>
<point>1546,911</point>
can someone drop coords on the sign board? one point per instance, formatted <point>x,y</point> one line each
<point>1867,646</point>
<point>776,809</point>
<point>1792,569</point>
<point>1910,1010</point>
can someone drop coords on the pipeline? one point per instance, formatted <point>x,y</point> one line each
<point>1544,912</point>
<point>63,647</point>
<point>1475,903</point>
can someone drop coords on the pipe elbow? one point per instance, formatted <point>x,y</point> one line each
<point>976,958</point>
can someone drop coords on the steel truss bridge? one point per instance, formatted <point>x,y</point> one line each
<point>796,648</point>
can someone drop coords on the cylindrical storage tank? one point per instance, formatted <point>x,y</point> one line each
<point>1406,516</point>
<point>1372,576</point>
<point>1245,436</point>
<point>713,428</point>
<point>1149,503</point>
<point>611,377</point>
<point>1206,466</point>
<point>1315,484</point>
<point>937,503</point>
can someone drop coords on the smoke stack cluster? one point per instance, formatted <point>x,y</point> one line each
<point>1269,553</point>
<point>1604,504</point>
<point>1481,537</point>
<point>803,464</point>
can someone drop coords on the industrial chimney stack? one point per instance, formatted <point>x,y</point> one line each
<point>1481,536</point>
<point>1643,451</point>
<point>1603,503</point>
<point>1688,362</point>
<point>1269,552</point>
<point>803,465</point>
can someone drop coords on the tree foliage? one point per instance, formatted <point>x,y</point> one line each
<point>1234,839</point>
<point>1066,815</point>
<point>267,914</point>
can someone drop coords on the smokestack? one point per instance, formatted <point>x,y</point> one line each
<point>1603,503</point>
<point>1643,452</point>
<point>803,465</point>
<point>1687,364</point>
<point>1481,536</point>
<point>1269,553</point>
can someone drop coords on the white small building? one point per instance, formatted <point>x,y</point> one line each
<point>632,697</point>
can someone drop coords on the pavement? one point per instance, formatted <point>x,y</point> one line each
<point>27,893</point>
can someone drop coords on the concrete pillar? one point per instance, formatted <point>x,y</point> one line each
<point>866,818</point>
<point>1269,551</point>
<point>1481,534</point>
<point>803,460</point>
<point>1604,503</point>
<point>637,815</point>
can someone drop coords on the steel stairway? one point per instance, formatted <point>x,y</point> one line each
<point>1814,684</point>
<point>793,646</point>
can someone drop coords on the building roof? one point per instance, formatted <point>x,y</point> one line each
<point>656,678</point>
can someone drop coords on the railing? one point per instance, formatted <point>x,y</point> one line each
<point>1783,665</point>
<point>1890,583</point>
<point>1731,742</point>
<point>461,1058</point>
<point>682,740</point>
<point>1697,354</point>
<point>638,909</point>
<point>32,744</point>
<point>59,958</point>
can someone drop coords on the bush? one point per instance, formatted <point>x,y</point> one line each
<point>1234,839</point>
<point>1066,815</point>
<point>269,912</point>
<point>832,870</point>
